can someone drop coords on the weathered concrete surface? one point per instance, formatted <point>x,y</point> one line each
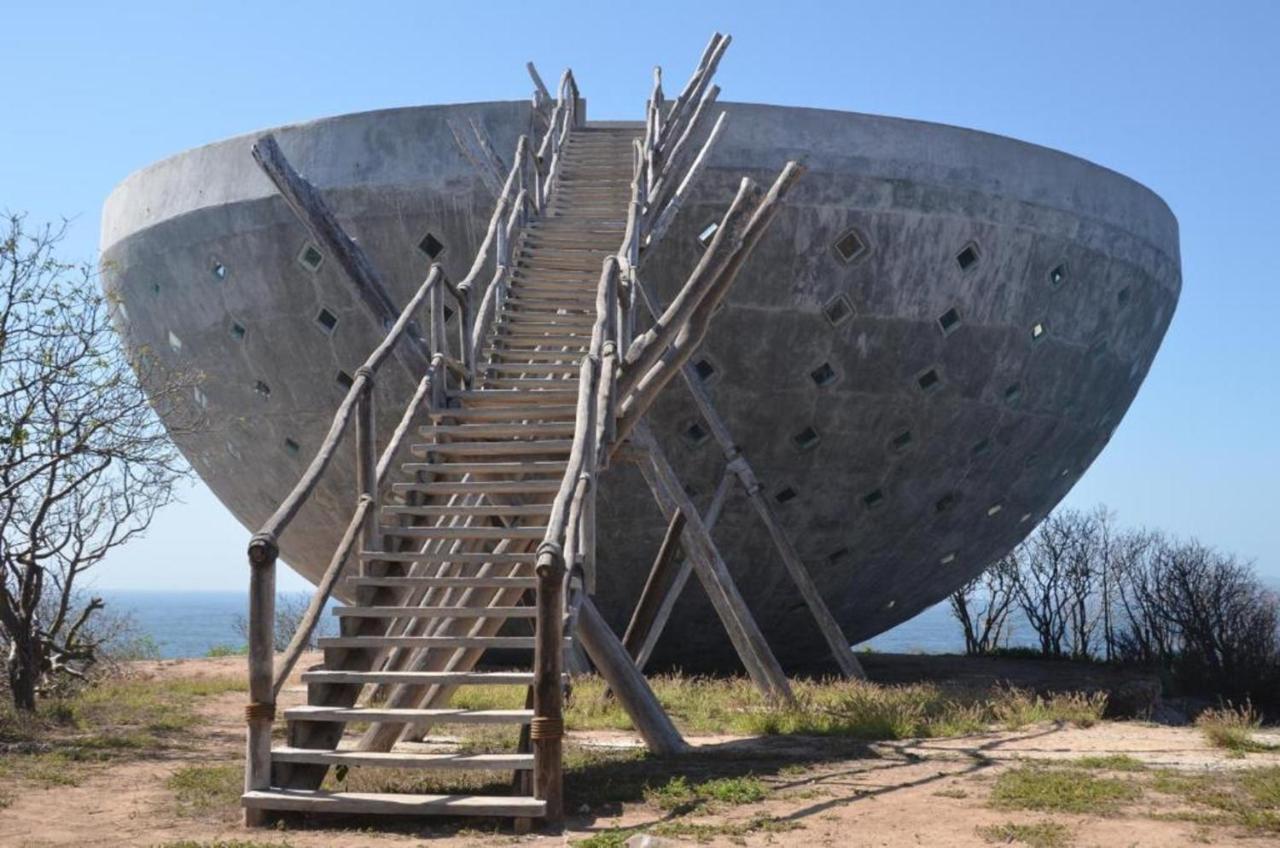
<point>1013,420</point>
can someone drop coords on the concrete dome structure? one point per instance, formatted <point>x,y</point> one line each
<point>967,318</point>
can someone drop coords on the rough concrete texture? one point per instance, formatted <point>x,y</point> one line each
<point>915,406</point>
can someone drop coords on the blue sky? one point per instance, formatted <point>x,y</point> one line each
<point>1179,96</point>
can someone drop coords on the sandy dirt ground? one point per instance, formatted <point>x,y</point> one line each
<point>932,792</point>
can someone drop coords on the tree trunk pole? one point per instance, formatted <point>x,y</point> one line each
<point>260,712</point>
<point>547,727</point>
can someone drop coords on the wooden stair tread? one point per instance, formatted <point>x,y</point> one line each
<point>403,759</point>
<point>495,582</point>
<point>386,803</point>
<point>465,558</point>
<point>435,612</point>
<point>422,678</point>
<point>437,716</point>
<point>376,642</point>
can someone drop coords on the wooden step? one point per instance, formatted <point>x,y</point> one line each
<point>445,510</point>
<point>454,469</point>
<point>447,582</point>
<point>385,803</point>
<point>435,612</point>
<point>501,429</point>
<point>509,396</point>
<point>520,411</point>
<point>459,558</point>
<point>438,716</point>
<point>565,368</point>
<point>421,678</point>
<point>404,759</point>
<point>509,448</point>
<point>491,533</point>
<point>378,642</point>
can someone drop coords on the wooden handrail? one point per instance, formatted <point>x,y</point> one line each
<point>288,509</point>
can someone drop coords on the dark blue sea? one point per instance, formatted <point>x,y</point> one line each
<point>190,624</point>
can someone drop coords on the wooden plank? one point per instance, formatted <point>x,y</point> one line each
<point>434,612</point>
<point>658,584</point>
<point>404,759</point>
<point>380,803</point>
<point>428,678</point>
<point>454,716</point>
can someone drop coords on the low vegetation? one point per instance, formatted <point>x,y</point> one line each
<point>1232,728</point>
<point>1247,798</point>
<point>65,737</point>
<point>848,708</point>
<point>205,789</point>
<point>1043,788</point>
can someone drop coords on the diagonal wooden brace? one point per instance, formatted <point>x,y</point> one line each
<point>748,641</point>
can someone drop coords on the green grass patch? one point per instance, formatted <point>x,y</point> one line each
<point>1068,790</point>
<point>1248,798</point>
<point>1110,762</point>
<point>233,843</point>
<point>227,651</point>
<point>1038,835</point>
<point>200,790</point>
<point>679,795</point>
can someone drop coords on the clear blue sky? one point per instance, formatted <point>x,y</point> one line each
<point>1179,96</point>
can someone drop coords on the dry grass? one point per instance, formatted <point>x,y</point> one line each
<point>849,708</point>
<point>1231,728</point>
<point>1061,790</point>
<point>1039,835</point>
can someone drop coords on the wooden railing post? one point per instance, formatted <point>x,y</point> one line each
<point>546,730</point>
<point>260,712</point>
<point>367,464</point>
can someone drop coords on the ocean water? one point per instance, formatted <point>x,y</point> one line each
<point>190,624</point>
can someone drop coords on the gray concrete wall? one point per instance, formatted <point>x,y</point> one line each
<point>984,460</point>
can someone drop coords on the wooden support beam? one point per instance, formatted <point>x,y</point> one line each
<point>663,604</point>
<point>656,587</point>
<point>538,84</point>
<point>315,215</point>
<point>625,680</point>
<point>712,572</point>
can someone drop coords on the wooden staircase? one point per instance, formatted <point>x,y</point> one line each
<point>459,528</point>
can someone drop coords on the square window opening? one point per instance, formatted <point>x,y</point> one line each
<point>929,380</point>
<point>785,494</point>
<point>873,499</point>
<point>345,380</point>
<point>327,320</point>
<point>838,310</point>
<point>1038,331</point>
<point>237,330</point>
<point>949,321</point>
<point>850,246</point>
<point>431,246</point>
<point>704,369</point>
<point>806,439</point>
<point>310,257</point>
<point>968,257</point>
<point>696,433</point>
<point>1058,275</point>
<point>262,389</point>
<point>901,441</point>
<point>823,375</point>
<point>292,447</point>
<point>219,271</point>
<point>1012,393</point>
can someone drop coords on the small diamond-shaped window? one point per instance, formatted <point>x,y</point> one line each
<point>851,246</point>
<point>431,246</point>
<point>310,257</point>
<point>838,310</point>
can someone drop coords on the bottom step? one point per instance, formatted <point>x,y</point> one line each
<point>380,803</point>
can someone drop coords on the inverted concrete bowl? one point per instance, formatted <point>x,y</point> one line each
<point>937,336</point>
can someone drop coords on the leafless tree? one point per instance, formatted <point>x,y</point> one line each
<point>84,460</point>
<point>982,606</point>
